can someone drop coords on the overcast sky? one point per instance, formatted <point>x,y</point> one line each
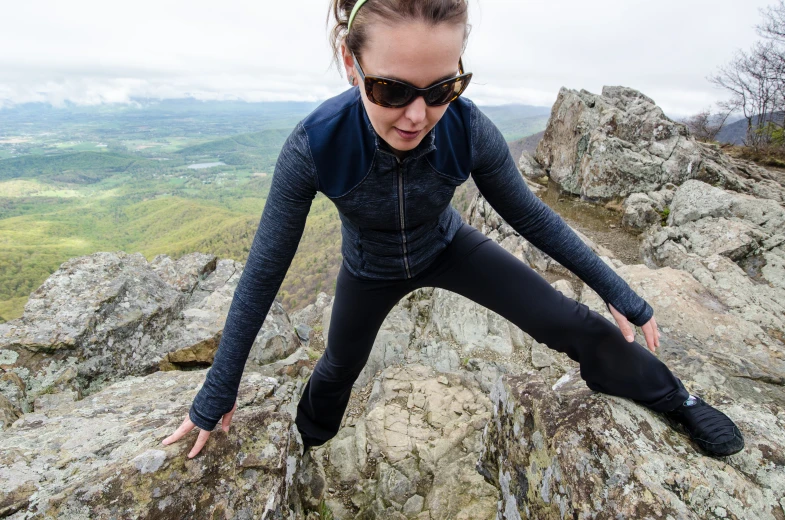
<point>519,50</point>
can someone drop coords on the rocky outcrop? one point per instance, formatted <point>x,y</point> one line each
<point>734,244</point>
<point>620,142</point>
<point>106,316</point>
<point>556,449</point>
<point>102,457</point>
<point>563,451</point>
<point>411,453</point>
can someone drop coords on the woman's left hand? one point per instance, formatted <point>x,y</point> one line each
<point>649,329</point>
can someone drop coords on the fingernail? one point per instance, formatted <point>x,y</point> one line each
<point>630,338</point>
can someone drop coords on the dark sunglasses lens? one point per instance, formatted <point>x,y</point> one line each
<point>444,93</point>
<point>391,94</point>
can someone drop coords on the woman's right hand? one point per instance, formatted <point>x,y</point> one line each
<point>201,440</point>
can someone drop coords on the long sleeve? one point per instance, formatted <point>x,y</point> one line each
<point>502,185</point>
<point>283,219</point>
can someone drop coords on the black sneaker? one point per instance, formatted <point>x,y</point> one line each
<point>709,428</point>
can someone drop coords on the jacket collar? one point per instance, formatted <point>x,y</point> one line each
<point>426,145</point>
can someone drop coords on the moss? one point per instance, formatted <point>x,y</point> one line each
<point>664,216</point>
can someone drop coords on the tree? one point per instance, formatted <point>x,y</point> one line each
<point>705,125</point>
<point>756,81</point>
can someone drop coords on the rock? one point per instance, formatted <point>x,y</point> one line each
<point>345,455</point>
<point>423,440</point>
<point>469,324</point>
<point>541,355</point>
<point>529,166</point>
<point>311,482</point>
<point>276,338</point>
<point>640,212</point>
<point>565,287</point>
<point>312,314</point>
<point>49,401</point>
<point>695,200</point>
<point>102,457</point>
<point>727,240</point>
<point>620,142</point>
<point>9,412</point>
<point>420,417</point>
<point>663,197</point>
<point>12,395</point>
<point>413,506</point>
<point>303,332</point>
<point>102,317</point>
<point>570,452</point>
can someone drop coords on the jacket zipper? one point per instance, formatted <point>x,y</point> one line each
<point>403,233</point>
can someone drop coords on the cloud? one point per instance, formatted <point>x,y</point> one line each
<point>90,52</point>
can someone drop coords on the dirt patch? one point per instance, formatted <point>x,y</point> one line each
<point>600,223</point>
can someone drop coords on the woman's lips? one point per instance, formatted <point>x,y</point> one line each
<point>407,135</point>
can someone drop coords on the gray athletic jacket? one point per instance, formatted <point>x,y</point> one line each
<point>396,218</point>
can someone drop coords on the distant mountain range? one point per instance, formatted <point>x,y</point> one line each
<point>734,133</point>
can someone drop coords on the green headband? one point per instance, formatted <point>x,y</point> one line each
<point>354,12</point>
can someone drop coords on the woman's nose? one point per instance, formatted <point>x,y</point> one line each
<point>415,111</point>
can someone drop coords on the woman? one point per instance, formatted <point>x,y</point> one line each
<point>389,152</point>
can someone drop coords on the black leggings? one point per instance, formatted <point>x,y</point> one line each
<point>478,268</point>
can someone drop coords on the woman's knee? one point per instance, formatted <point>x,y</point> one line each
<point>329,371</point>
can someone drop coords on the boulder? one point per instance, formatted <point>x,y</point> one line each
<point>102,457</point>
<point>640,212</point>
<point>620,142</point>
<point>529,166</point>
<point>102,317</point>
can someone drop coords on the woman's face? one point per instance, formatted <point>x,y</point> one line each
<point>418,54</point>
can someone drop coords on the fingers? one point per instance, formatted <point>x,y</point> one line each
<point>624,325</point>
<point>227,418</point>
<point>184,428</point>
<point>201,440</point>
<point>648,332</point>
<point>657,330</point>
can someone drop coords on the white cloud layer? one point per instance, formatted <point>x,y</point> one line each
<point>91,52</point>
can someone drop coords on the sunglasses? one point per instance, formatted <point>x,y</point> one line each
<point>392,93</point>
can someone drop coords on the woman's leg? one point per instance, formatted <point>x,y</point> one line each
<point>478,268</point>
<point>359,309</point>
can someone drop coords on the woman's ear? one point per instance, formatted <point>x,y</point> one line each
<point>348,63</point>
